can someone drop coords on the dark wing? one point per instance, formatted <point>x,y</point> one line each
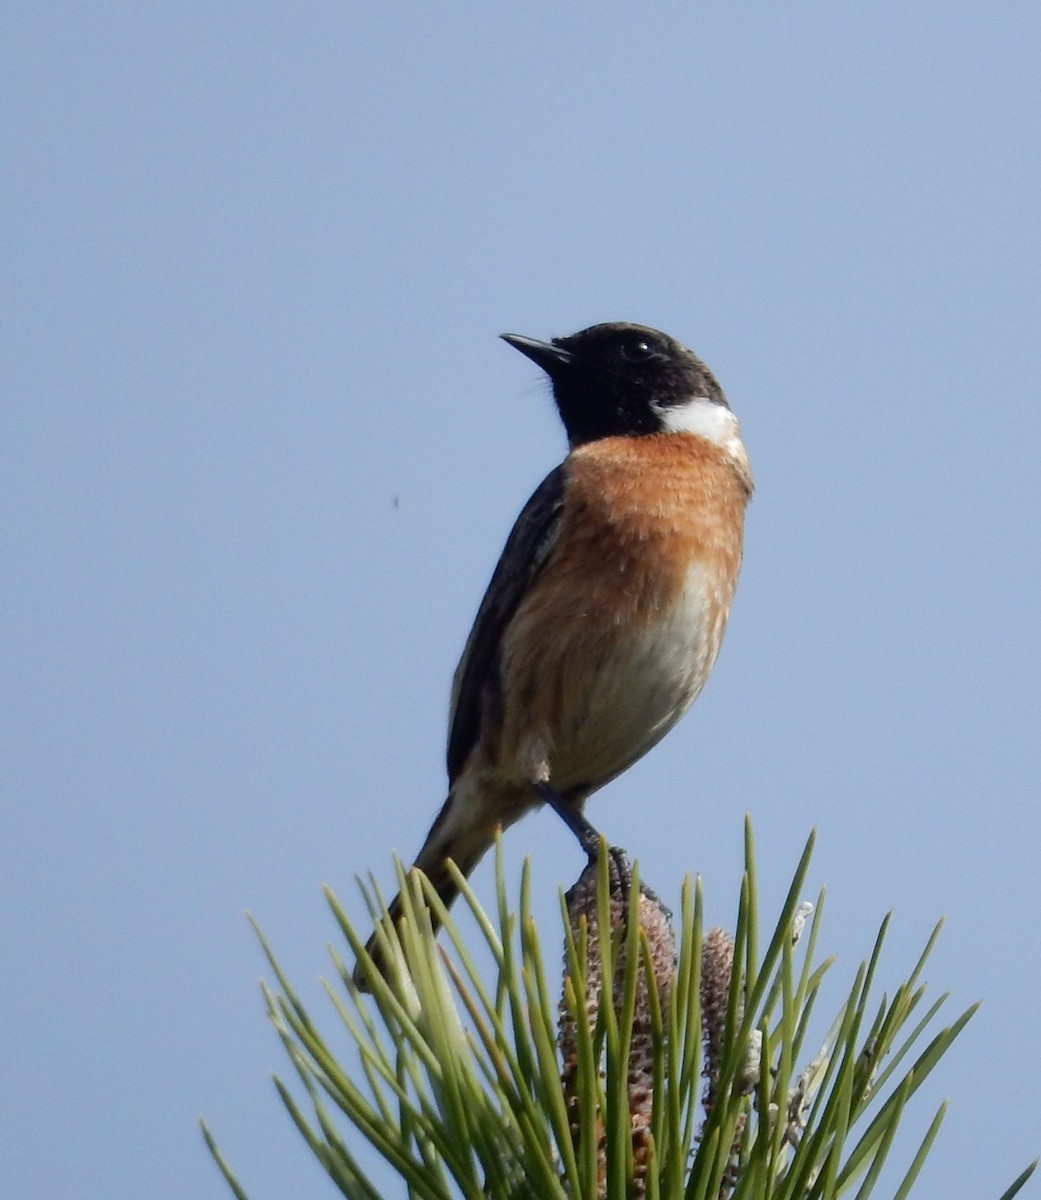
<point>532,538</point>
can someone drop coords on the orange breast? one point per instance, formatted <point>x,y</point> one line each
<point>641,510</point>
<point>622,627</point>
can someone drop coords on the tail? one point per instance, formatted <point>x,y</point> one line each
<point>459,833</point>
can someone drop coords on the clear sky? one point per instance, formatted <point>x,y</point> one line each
<point>261,447</point>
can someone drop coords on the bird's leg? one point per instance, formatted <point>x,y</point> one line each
<point>588,837</point>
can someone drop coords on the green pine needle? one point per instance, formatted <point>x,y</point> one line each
<point>456,1082</point>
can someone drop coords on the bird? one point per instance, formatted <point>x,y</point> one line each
<point>608,605</point>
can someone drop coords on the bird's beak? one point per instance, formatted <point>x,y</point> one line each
<point>548,356</point>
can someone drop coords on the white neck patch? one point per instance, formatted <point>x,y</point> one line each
<point>705,419</point>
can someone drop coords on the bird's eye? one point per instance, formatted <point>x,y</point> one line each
<point>637,350</point>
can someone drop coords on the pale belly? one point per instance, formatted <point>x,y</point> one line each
<point>602,701</point>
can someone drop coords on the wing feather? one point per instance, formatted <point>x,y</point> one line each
<point>476,679</point>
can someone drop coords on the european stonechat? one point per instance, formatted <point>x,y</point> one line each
<point>607,608</point>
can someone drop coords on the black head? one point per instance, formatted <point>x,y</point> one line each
<point>620,380</point>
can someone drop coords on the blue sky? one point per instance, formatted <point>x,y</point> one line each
<point>261,447</point>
